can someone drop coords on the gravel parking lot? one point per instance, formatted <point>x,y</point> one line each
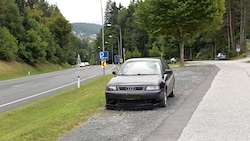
<point>109,125</point>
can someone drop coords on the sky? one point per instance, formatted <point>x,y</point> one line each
<point>87,11</point>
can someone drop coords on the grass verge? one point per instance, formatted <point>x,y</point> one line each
<point>10,70</point>
<point>52,117</point>
<point>176,65</point>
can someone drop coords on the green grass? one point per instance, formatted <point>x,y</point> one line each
<point>176,65</point>
<point>51,118</point>
<point>10,70</point>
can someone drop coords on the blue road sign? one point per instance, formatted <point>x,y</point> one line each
<point>103,55</point>
<point>117,58</point>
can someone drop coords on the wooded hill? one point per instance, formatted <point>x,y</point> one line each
<point>88,28</point>
<point>86,31</point>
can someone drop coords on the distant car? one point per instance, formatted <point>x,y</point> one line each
<point>140,83</point>
<point>82,64</point>
<point>185,59</point>
<point>221,56</point>
<point>173,60</point>
<point>86,63</point>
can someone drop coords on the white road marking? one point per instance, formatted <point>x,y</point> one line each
<point>58,76</point>
<point>19,85</point>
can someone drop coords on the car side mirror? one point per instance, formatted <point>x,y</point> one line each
<point>168,71</point>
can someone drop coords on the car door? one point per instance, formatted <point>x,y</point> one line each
<point>169,78</point>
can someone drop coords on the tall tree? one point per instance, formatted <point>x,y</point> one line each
<point>8,45</point>
<point>183,19</point>
<point>133,36</point>
<point>3,8</point>
<point>243,12</point>
<point>12,19</point>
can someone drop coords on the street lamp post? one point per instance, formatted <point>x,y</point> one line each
<point>103,49</point>
<point>120,31</point>
<point>102,27</point>
<point>110,36</point>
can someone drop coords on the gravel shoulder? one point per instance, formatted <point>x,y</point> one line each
<point>108,125</point>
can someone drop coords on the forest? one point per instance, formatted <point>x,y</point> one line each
<point>232,30</point>
<point>34,31</point>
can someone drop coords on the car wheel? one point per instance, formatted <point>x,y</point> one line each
<point>109,108</point>
<point>165,99</point>
<point>173,92</point>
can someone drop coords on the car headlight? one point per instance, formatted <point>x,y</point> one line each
<point>111,88</point>
<point>151,88</point>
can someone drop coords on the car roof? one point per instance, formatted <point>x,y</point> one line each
<point>143,59</point>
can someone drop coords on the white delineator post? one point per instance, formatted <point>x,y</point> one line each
<point>78,82</point>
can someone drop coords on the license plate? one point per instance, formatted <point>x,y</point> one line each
<point>131,97</point>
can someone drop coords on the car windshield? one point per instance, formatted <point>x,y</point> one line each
<point>140,68</point>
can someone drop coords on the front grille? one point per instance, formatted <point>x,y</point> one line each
<point>131,88</point>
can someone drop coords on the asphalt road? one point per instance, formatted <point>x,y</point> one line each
<point>18,92</point>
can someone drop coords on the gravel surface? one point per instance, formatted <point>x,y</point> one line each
<point>109,125</point>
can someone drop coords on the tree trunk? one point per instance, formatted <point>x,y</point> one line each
<point>230,25</point>
<point>181,45</point>
<point>241,22</point>
<point>215,47</point>
<point>244,22</point>
<point>228,29</point>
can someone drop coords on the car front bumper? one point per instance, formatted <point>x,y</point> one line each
<point>133,99</point>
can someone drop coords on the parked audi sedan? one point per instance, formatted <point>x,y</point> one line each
<point>141,83</point>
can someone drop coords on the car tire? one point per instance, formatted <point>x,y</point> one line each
<point>165,99</point>
<point>173,92</point>
<point>109,108</point>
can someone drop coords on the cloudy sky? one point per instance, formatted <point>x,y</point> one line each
<point>88,11</point>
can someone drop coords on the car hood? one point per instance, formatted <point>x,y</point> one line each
<point>136,80</point>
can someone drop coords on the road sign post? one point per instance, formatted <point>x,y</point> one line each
<point>103,57</point>
<point>238,49</point>
<point>117,58</point>
<point>103,63</point>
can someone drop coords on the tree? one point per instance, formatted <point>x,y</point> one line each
<point>154,52</point>
<point>136,53</point>
<point>3,8</point>
<point>11,19</point>
<point>34,51</point>
<point>133,36</point>
<point>183,19</point>
<point>8,45</point>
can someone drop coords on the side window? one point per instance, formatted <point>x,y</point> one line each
<point>164,65</point>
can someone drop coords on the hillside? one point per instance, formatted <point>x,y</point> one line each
<point>85,30</point>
